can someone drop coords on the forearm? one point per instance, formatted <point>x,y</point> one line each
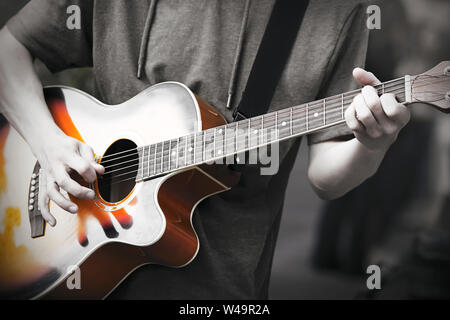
<point>21,95</point>
<point>337,167</point>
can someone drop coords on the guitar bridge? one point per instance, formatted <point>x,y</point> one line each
<point>37,222</point>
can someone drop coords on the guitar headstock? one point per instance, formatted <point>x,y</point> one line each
<point>433,87</point>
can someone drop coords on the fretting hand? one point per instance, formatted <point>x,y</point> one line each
<point>375,121</point>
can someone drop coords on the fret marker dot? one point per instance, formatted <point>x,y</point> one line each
<point>174,153</point>
<point>220,131</point>
<point>256,131</point>
<point>219,152</point>
<point>283,123</point>
<point>316,115</point>
<point>190,149</point>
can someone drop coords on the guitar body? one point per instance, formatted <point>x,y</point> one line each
<point>150,222</point>
<point>143,210</point>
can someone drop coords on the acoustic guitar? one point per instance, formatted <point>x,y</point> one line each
<point>162,153</point>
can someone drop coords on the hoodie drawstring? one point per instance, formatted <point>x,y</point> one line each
<point>237,57</point>
<point>145,38</point>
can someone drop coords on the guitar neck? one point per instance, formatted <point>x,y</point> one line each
<point>229,140</point>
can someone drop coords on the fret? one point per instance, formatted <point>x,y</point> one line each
<point>270,124</point>
<point>194,150</point>
<point>255,132</point>
<point>332,110</point>
<point>231,146</point>
<point>151,152</point>
<point>214,147</point>
<point>249,132</point>
<point>182,152</point>
<point>191,148</point>
<point>173,154</point>
<point>170,155</point>
<point>298,119</point>
<point>276,125</point>
<point>284,123</point>
<point>324,112</point>
<point>140,170</point>
<point>307,116</point>
<point>186,151</point>
<point>219,141</point>
<point>162,158</point>
<point>225,142</point>
<point>198,147</point>
<point>166,157</point>
<point>209,144</point>
<point>230,142</point>
<point>242,136</point>
<point>315,114</point>
<point>290,121</point>
<point>204,146</point>
<point>382,88</point>
<point>143,163</point>
<point>147,161</point>
<point>178,153</point>
<point>236,137</point>
<point>159,158</point>
<point>154,166</point>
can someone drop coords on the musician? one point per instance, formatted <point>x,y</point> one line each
<point>202,43</point>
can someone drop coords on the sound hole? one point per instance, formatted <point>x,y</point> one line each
<point>121,162</point>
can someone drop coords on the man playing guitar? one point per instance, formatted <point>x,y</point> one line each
<point>134,44</point>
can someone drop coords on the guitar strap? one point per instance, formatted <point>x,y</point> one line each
<point>271,58</point>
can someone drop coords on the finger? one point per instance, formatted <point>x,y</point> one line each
<point>394,110</point>
<point>350,119</point>
<point>373,101</point>
<point>365,116</point>
<point>83,168</point>
<point>74,188</point>
<point>364,77</point>
<point>88,154</point>
<point>55,195</point>
<point>43,199</point>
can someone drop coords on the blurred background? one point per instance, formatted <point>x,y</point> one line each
<point>400,218</point>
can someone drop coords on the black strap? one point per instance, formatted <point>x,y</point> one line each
<point>272,56</point>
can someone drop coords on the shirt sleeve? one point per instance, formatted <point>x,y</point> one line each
<point>350,52</point>
<point>44,27</point>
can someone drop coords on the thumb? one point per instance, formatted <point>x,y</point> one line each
<point>365,78</point>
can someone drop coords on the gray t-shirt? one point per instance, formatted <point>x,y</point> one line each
<point>194,42</point>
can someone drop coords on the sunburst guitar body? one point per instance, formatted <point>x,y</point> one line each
<point>130,223</point>
<point>163,152</point>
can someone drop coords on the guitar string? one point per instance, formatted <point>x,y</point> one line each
<point>267,117</point>
<point>415,81</point>
<point>333,110</point>
<point>165,164</point>
<point>319,102</point>
<point>311,103</point>
<point>148,157</point>
<point>151,156</point>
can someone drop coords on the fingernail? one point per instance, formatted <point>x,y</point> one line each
<point>91,194</point>
<point>73,209</point>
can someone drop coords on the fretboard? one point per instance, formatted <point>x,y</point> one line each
<point>229,140</point>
